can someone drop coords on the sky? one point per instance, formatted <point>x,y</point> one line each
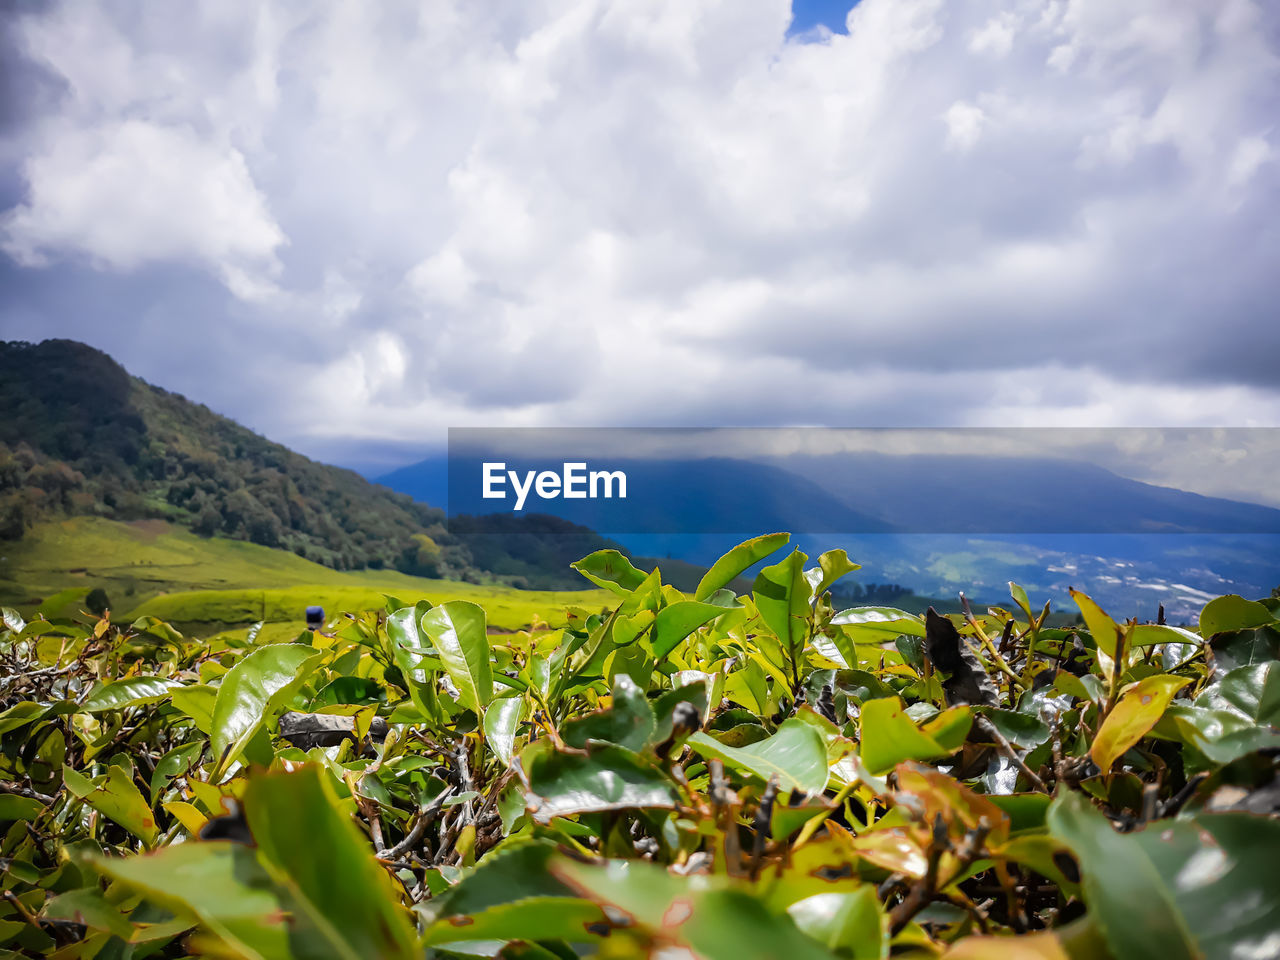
<point>352,225</point>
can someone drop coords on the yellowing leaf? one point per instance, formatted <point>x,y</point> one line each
<point>1136,713</point>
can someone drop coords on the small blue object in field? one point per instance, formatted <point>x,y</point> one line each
<point>315,617</point>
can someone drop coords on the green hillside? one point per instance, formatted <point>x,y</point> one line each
<point>80,437</point>
<point>207,584</point>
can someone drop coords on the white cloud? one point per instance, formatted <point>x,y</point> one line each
<point>664,211</point>
<point>129,193</point>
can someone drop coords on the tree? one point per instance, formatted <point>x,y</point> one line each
<point>97,601</point>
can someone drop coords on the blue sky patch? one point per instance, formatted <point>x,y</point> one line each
<point>808,14</point>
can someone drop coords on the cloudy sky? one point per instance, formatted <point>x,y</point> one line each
<point>351,225</point>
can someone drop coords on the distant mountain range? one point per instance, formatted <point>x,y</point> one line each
<point>935,523</point>
<point>859,493</point>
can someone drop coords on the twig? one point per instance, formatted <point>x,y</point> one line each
<point>1008,750</point>
<point>21,791</point>
<point>762,825</point>
<point>426,816</point>
<point>927,887</point>
<point>922,891</point>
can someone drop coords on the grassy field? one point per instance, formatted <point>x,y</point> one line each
<point>208,585</point>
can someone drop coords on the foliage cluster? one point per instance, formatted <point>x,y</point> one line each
<point>681,773</point>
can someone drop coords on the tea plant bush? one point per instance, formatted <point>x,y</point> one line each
<point>678,774</point>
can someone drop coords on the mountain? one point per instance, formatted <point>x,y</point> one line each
<point>705,495</point>
<point>922,493</point>
<point>79,436</point>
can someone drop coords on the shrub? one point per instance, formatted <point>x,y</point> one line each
<point>759,775</point>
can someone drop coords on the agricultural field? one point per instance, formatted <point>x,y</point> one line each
<point>703,773</point>
<point>208,585</point>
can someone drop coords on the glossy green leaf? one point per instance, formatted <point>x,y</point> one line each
<point>608,778</point>
<point>1019,595</point>
<point>457,629</point>
<point>1137,711</point>
<point>796,755</point>
<point>851,922</point>
<point>628,722</point>
<point>14,807</point>
<point>611,570</point>
<point>1203,887</point>
<point>130,692</point>
<point>1252,691</point>
<point>1233,612</point>
<point>782,595</point>
<point>511,895</point>
<point>249,692</point>
<point>413,655</point>
<point>877,624</point>
<point>501,721</point>
<point>675,622</point>
<point>1020,729</point>
<point>737,561</point>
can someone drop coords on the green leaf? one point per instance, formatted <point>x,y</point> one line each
<point>175,763</point>
<point>360,690</point>
<point>782,595</point>
<point>250,690</point>
<point>501,721</point>
<point>834,564</point>
<point>1203,887</point>
<point>117,798</point>
<point>628,722</point>
<point>410,650</point>
<point>90,907</point>
<point>458,631</point>
<point>720,924</point>
<point>1221,736</point>
<point>511,895</point>
<point>741,558</point>
<point>1020,729</point>
<point>1137,711</point>
<point>1019,595</point>
<point>1252,691</point>
<point>14,807</point>
<point>890,736</point>
<point>609,778</point>
<point>676,621</point>
<point>877,624</point>
<point>130,692</point>
<point>196,700</point>
<point>314,852</point>
<point>851,922</point>
<point>611,570</point>
<point>1233,612</point>
<point>796,754</point>
<point>224,885</point>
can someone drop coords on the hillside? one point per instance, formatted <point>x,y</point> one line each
<point>202,584</point>
<point>79,436</point>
